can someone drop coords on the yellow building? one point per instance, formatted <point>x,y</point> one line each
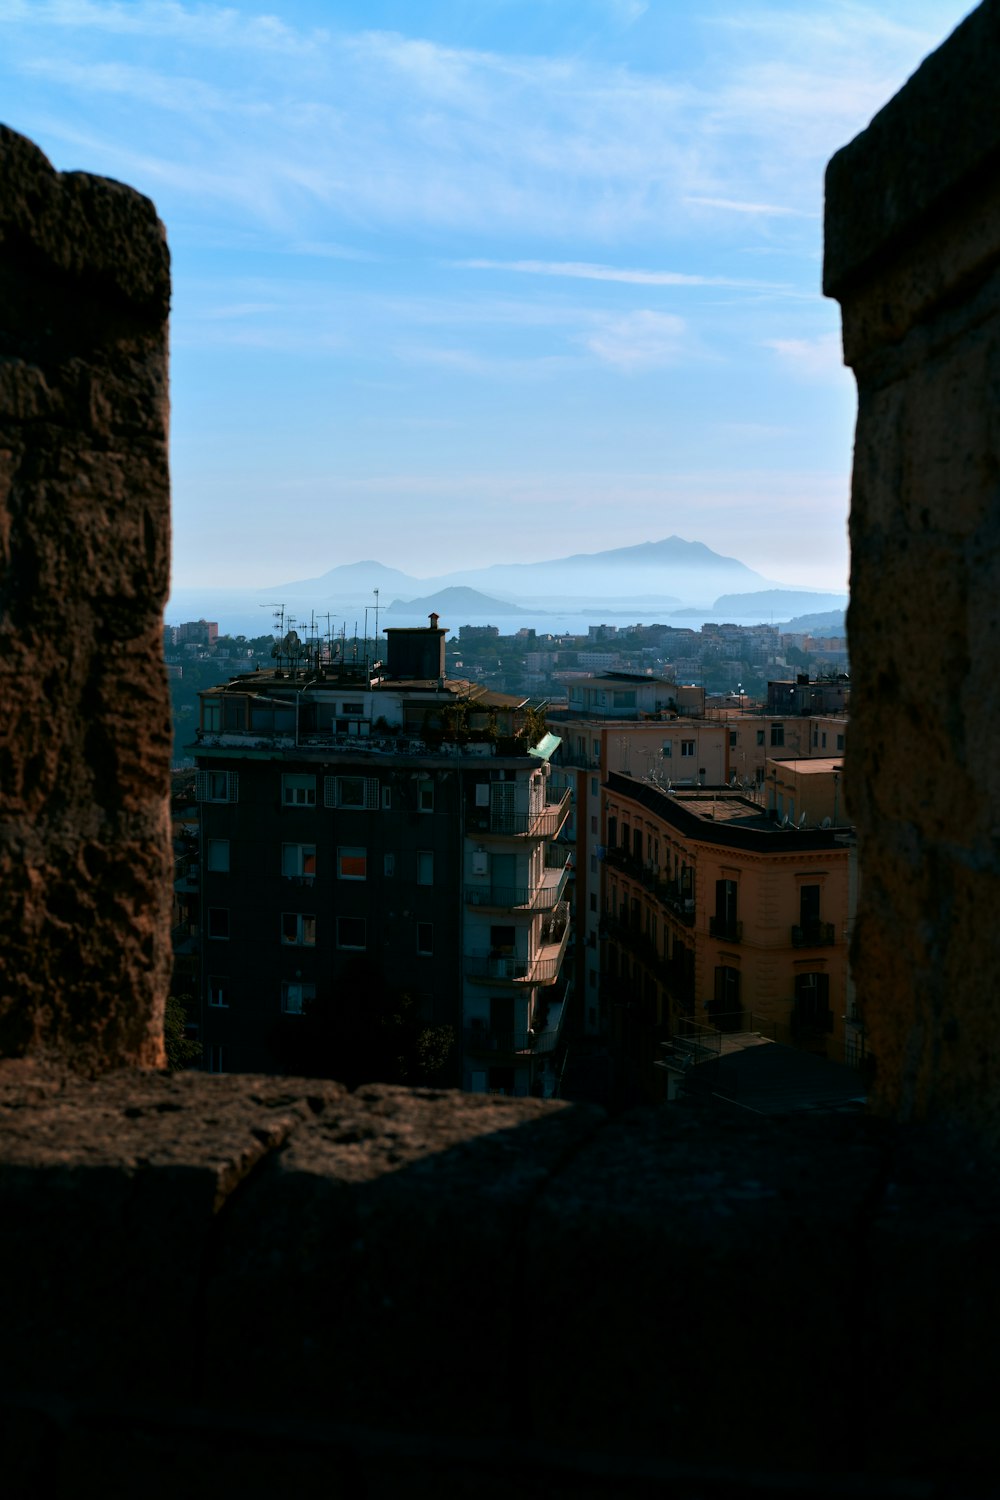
<point>717,913</point>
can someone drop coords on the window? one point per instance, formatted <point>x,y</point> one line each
<point>298,928</point>
<point>425,796</point>
<point>361,792</point>
<point>218,990</point>
<point>388,864</point>
<point>216,786</point>
<point>808,905</point>
<point>352,863</point>
<point>724,1008</point>
<point>350,932</point>
<point>215,1060</point>
<point>218,854</point>
<point>593,864</point>
<point>298,861</point>
<point>593,824</point>
<point>760,736</point>
<point>732,739</point>
<point>593,901</point>
<point>823,740</point>
<point>295,996</point>
<point>815,739</point>
<point>840,742</point>
<point>386,798</point>
<point>298,791</point>
<point>354,709</point>
<point>218,921</point>
<point>594,785</point>
<point>211,714</point>
<point>777,734</point>
<point>687,747</point>
<point>425,937</point>
<point>812,1004</point>
<point>668,749</point>
<point>425,867</point>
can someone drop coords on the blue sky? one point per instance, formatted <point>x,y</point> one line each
<point>488,280</point>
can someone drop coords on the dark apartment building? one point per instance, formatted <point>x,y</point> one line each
<point>375,830</point>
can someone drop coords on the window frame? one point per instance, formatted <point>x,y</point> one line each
<point>298,782</point>
<point>361,947</point>
<point>355,853</point>
<point>217,911</point>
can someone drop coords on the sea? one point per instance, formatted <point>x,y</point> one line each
<point>240,613</point>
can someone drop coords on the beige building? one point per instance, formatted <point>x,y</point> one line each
<point>716,913</point>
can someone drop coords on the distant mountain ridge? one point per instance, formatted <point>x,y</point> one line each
<point>455,602</point>
<point>665,574</point>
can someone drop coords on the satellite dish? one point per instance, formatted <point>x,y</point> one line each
<point>802,821</point>
<point>827,823</point>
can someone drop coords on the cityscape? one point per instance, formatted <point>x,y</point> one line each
<point>585,866</point>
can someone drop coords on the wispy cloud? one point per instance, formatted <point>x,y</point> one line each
<point>639,341</point>
<point>203,25</point>
<point>819,358</point>
<point>585,271</point>
<point>771,210</point>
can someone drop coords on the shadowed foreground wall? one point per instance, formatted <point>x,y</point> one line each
<point>913,255</point>
<point>237,1285</point>
<point>84,558</point>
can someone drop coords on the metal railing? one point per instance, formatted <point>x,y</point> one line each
<point>542,824</point>
<point>725,928</point>
<point>487,1040</point>
<point>814,935</point>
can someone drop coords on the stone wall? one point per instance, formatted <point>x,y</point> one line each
<point>256,1286</point>
<point>913,255</point>
<point>84,559</point>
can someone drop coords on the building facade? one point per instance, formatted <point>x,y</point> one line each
<point>717,914</point>
<point>373,833</point>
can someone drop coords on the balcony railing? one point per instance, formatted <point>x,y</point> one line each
<point>516,968</point>
<point>725,928</point>
<point>814,935</point>
<point>543,824</point>
<point>543,897</point>
<point>483,1041</point>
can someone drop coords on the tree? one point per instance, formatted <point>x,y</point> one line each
<point>181,1050</point>
<point>368,1032</point>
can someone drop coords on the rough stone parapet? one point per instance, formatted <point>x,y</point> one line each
<point>913,254</point>
<point>442,1284</point>
<point>84,562</point>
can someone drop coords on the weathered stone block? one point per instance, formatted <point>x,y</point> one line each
<point>84,561</point>
<point>913,255</point>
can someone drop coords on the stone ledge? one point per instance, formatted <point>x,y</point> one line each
<point>927,146</point>
<point>85,228</point>
<point>670,1285</point>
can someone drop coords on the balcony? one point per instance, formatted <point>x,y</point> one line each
<point>546,823</point>
<point>490,967</point>
<point>537,1041</point>
<point>814,935</point>
<point>545,896</point>
<point>725,928</point>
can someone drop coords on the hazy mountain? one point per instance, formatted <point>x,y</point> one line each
<point>665,575</point>
<point>451,603</point>
<point>351,581</point>
<point>671,571</point>
<point>776,604</point>
<point>827,622</point>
